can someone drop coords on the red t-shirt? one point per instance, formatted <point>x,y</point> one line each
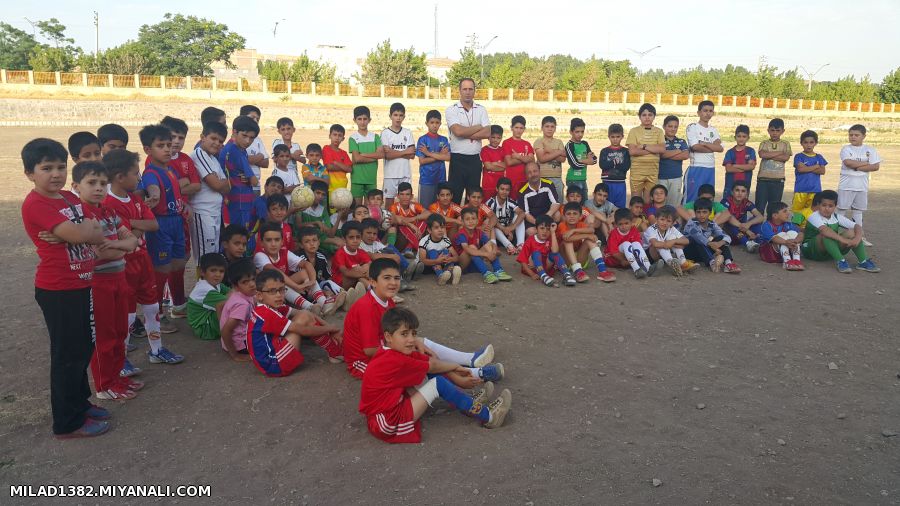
<point>516,173</point>
<point>616,238</point>
<point>532,244</point>
<point>287,244</point>
<point>337,179</point>
<point>342,257</point>
<point>110,223</point>
<point>489,178</point>
<point>130,208</point>
<point>387,377</point>
<point>62,266</point>
<point>362,329</point>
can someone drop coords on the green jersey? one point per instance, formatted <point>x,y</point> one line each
<point>201,309</point>
<point>364,173</point>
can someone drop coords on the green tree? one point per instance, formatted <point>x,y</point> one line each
<point>304,70</point>
<point>188,45</point>
<point>16,47</point>
<point>469,65</point>
<point>538,75</point>
<point>63,53</point>
<point>128,58</point>
<point>505,75</point>
<point>403,67</point>
<point>889,92</point>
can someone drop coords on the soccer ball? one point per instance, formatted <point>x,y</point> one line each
<point>386,219</point>
<point>341,198</point>
<point>302,197</point>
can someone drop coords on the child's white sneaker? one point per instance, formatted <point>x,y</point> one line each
<point>752,246</point>
<point>457,275</point>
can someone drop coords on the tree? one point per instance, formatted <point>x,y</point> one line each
<point>890,88</point>
<point>468,65</point>
<point>188,45</point>
<point>303,70</point>
<point>16,47</point>
<point>129,58</point>
<point>394,68</point>
<point>538,76</point>
<point>505,75</point>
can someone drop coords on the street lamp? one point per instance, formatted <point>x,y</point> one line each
<point>811,75</point>
<point>642,54</point>
<point>482,55</point>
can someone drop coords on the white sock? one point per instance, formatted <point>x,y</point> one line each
<point>679,254</point>
<point>476,371</point>
<point>151,323</point>
<point>857,217</point>
<point>429,390</point>
<point>131,318</point>
<point>449,354</point>
<point>665,254</point>
<point>576,266</point>
<point>625,249</point>
<point>297,300</point>
<point>502,238</point>
<point>785,252</point>
<point>520,233</point>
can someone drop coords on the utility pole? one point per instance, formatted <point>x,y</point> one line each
<point>33,28</point>
<point>435,54</point>
<point>488,43</point>
<point>96,34</point>
<point>811,75</point>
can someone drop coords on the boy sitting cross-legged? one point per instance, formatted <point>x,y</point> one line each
<point>351,263</point>
<point>475,248</point>
<point>540,254</point>
<point>578,241</point>
<point>708,245</point>
<point>510,228</point>
<point>603,211</point>
<point>624,246</point>
<point>377,249</point>
<point>445,206</point>
<point>825,237</point>
<point>666,243</point>
<point>409,217</point>
<point>335,296</point>
<point>781,238</point>
<point>317,215</point>
<point>436,251</point>
<point>297,273</point>
<point>396,389</point>
<point>744,219</point>
<point>207,298</point>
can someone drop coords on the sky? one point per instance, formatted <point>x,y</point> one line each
<point>788,34</point>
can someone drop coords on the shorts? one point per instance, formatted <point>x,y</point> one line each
<point>141,280</point>
<point>359,190</point>
<point>857,200</point>
<point>673,186</point>
<point>397,426</point>
<point>205,232</point>
<point>282,360</point>
<point>770,253</point>
<point>802,201</point>
<point>641,180</point>
<point>391,184</point>
<point>618,194</point>
<point>167,243</point>
<point>695,178</point>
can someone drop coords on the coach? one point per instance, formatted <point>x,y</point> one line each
<point>469,124</point>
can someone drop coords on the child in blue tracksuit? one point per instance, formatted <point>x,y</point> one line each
<point>709,244</point>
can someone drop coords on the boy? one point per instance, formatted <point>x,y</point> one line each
<point>313,169</point>
<point>376,249</point>
<point>409,217</point>
<point>396,389</point>
<point>260,213</point>
<point>704,142</point>
<point>510,228</point>
<point>375,203</point>
<point>540,256</point>
<point>274,333</point>
<point>857,161</point>
<point>112,136</point>
<point>658,197</point>
<point>281,154</point>
<point>670,161</point>
<point>234,243</point>
<point>208,297</point>
<point>624,246</point>
<point>110,291</point>
<point>62,286</point>
<point>300,277</point>
<point>363,334</point>
<point>824,239</point>
<point>433,152</point>
<point>773,152</point>
<point>550,153</point>
<point>335,296</point>
<point>744,219</point>
<point>213,115</point>
<point>206,204</point>
<point>492,160</point>
<point>234,159</point>
<point>516,153</point>
<point>84,147</point>
<point>719,213</point>
<point>709,245</point>
<point>188,178</point>
<point>256,151</point>
<point>578,241</point>
<point>780,239</point>
<point>365,151</point>
<point>645,142</point>
<point>579,155</point>
<point>538,198</point>
<point>602,210</point>
<point>436,251</point>
<point>474,247</point>
<point>636,206</point>
<point>614,164</point>
<point>317,216</point>
<point>350,263</point>
<point>235,312</point>
<point>446,208</point>
<point>286,131</point>
<point>809,167</point>
<point>337,161</point>
<point>399,149</point>
<point>739,161</point>
<point>666,243</point>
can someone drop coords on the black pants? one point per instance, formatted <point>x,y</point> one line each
<point>465,173</point>
<point>768,191</point>
<point>703,254</point>
<point>69,315</point>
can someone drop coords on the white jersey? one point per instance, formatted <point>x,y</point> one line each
<point>289,176</point>
<point>697,133</point>
<point>854,180</point>
<point>505,212</point>
<point>207,201</point>
<point>456,114</point>
<point>397,141</point>
<point>817,220</point>
<point>261,259</point>
<point>294,148</point>
<point>257,148</point>
<point>653,232</point>
<point>428,244</point>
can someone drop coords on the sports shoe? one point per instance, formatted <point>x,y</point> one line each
<point>655,267</point>
<point>492,372</point>
<point>569,279</point>
<point>164,356</point>
<point>314,309</point>
<point>117,392</point>
<point>128,369</point>
<point>405,286</point>
<point>130,384</point>
<point>91,428</point>
<point>752,246</point>
<point>606,276</point>
<point>689,266</point>
<point>581,276</point>
<point>353,295</point>
<point>716,263</point>
<point>418,270</point>
<point>498,409</point>
<point>732,268</point>
<point>503,276</point>
<point>165,324</point>
<point>490,278</point>
<point>483,356</point>
<point>640,273</point>
<point>339,299</point>
<point>548,280</point>
<point>408,253</point>
<point>178,311</point>
<point>843,267</point>
<point>410,270</point>
<point>798,265</point>
<point>97,413</point>
<point>868,266</point>
<point>675,266</point>
<point>457,275</point>
<point>129,347</point>
<point>137,330</point>
<point>482,395</point>
<point>444,277</point>
<point>867,243</point>
<point>329,308</point>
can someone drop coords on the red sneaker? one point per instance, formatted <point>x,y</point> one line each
<point>798,265</point>
<point>131,384</point>
<point>581,276</point>
<point>606,276</point>
<point>90,428</point>
<point>732,268</point>
<point>118,392</point>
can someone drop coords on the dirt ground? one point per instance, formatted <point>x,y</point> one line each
<point>721,387</point>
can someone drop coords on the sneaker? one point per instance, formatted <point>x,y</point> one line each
<point>165,324</point>
<point>128,369</point>
<point>843,267</point>
<point>483,356</point>
<point>352,296</point>
<point>336,360</point>
<point>457,275</point>
<point>503,276</point>
<point>732,268</point>
<point>178,311</point>
<point>90,428</point>
<point>606,276</point>
<point>129,347</point>
<point>798,265</point>
<point>329,309</point>
<point>481,396</point>
<point>581,276</point>
<point>498,409</point>
<point>752,246</point>
<point>418,270</point>
<point>97,413</point>
<point>492,372</point>
<point>444,278</point>
<point>130,384</point>
<point>410,270</point>
<point>675,266</point>
<point>868,266</point>
<point>549,281</point>
<point>117,392</point>
<point>362,287</point>
<point>406,286</point>
<point>689,266</point>
<point>164,356</point>
<point>490,278</point>
<point>640,273</point>
<point>867,243</point>
<point>716,263</point>
<point>398,299</point>
<point>314,309</point>
<point>655,267</point>
<point>339,300</point>
<point>138,331</point>
<point>569,279</point>
<point>408,253</point>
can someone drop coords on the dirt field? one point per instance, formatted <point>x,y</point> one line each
<point>721,387</point>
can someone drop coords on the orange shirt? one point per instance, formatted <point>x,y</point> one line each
<point>410,211</point>
<point>564,227</point>
<point>452,212</point>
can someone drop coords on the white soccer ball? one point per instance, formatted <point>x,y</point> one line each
<point>302,197</point>
<point>386,219</point>
<point>341,198</point>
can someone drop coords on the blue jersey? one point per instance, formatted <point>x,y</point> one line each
<point>435,172</point>
<point>808,182</point>
<point>170,200</point>
<point>233,160</point>
<point>259,212</point>
<point>671,169</point>
<point>265,338</point>
<point>770,230</point>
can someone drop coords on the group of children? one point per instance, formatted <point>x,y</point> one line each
<point>270,271</point>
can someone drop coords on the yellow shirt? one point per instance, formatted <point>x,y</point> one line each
<point>640,135</point>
